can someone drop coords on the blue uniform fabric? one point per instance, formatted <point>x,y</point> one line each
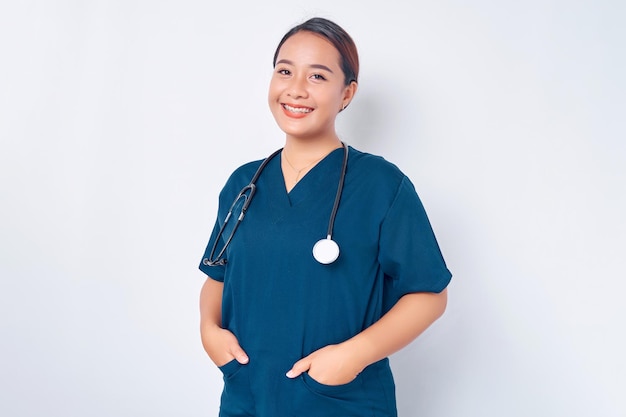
<point>282,304</point>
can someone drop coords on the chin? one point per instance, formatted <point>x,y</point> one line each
<point>296,132</point>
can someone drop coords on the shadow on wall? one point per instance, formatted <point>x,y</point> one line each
<point>380,120</point>
<point>386,119</point>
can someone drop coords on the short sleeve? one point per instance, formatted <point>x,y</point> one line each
<point>216,272</point>
<point>237,180</point>
<point>409,253</point>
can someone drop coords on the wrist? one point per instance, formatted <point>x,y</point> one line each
<point>208,327</point>
<point>359,353</point>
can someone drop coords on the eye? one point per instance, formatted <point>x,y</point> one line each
<point>318,77</point>
<point>283,71</point>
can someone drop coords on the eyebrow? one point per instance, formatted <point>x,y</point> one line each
<point>318,66</point>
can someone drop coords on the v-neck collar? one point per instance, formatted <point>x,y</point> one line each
<point>322,178</point>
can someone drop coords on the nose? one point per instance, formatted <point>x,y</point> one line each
<point>297,88</point>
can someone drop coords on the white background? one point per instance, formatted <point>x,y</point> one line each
<point>121,120</point>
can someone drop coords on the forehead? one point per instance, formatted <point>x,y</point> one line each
<point>309,48</point>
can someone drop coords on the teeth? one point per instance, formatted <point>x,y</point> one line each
<point>297,109</point>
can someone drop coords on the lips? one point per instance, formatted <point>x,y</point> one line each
<point>296,111</point>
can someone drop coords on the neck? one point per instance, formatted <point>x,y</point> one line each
<point>299,156</point>
<point>300,152</point>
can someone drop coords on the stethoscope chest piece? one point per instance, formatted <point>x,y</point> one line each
<point>326,251</point>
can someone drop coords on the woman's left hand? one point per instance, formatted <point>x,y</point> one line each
<point>330,365</point>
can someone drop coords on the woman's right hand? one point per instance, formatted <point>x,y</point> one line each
<point>221,345</point>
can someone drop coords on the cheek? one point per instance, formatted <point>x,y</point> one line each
<point>273,96</point>
<point>270,95</point>
<point>274,89</point>
<point>332,101</point>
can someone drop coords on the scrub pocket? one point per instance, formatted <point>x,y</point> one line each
<point>236,400</point>
<point>368,395</point>
<point>330,390</point>
<point>230,369</point>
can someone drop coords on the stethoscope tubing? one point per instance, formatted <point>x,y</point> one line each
<point>333,214</point>
<point>213,260</point>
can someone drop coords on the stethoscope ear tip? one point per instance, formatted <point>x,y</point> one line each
<point>326,251</point>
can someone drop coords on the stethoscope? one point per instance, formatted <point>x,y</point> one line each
<point>325,251</point>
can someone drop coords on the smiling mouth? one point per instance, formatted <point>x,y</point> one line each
<point>298,110</point>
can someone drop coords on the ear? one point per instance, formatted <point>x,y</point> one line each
<point>348,94</point>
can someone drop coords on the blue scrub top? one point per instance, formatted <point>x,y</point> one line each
<point>278,300</point>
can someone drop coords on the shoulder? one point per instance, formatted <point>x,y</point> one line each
<point>240,178</point>
<point>245,171</point>
<point>375,170</point>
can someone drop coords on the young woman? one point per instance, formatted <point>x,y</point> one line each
<point>301,328</point>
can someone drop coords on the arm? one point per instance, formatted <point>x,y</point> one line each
<point>341,363</point>
<point>220,344</point>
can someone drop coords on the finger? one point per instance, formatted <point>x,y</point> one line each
<point>302,365</point>
<point>239,354</point>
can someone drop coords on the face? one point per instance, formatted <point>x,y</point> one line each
<point>308,89</point>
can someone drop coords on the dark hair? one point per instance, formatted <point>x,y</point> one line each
<point>334,34</point>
